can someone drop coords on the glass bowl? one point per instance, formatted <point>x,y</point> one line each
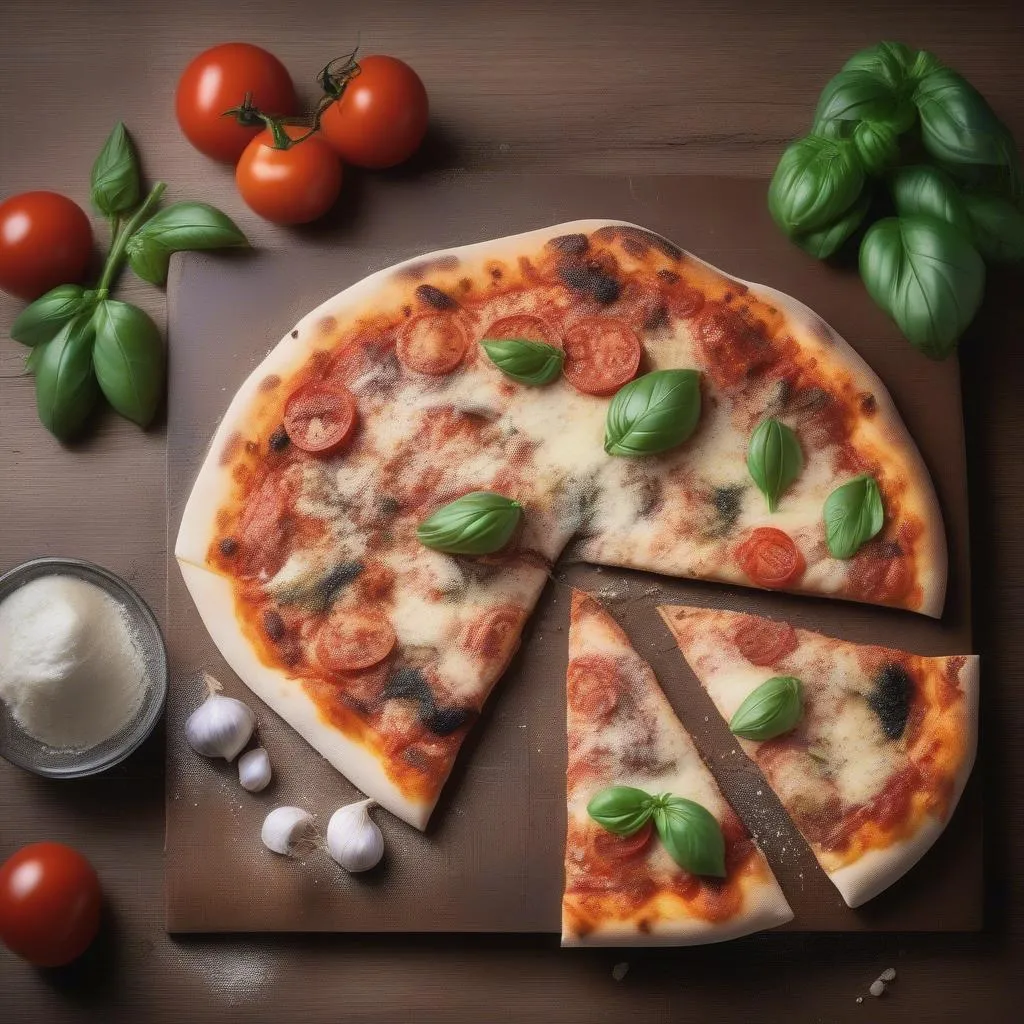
<point>21,749</point>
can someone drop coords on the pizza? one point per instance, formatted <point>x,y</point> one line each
<point>873,768</point>
<point>627,889</point>
<point>299,542</point>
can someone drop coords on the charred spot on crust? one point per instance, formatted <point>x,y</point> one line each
<point>273,625</point>
<point>571,245</point>
<point>868,404</point>
<point>728,503</point>
<point>496,273</point>
<point>228,547</point>
<point>648,239</point>
<point>465,285</point>
<point>443,721</point>
<point>890,699</point>
<point>435,298</point>
<point>327,325</point>
<point>591,281</point>
<point>657,317</point>
<point>606,234</point>
<point>668,276</point>
<point>279,439</point>
<point>231,448</point>
<point>635,247</point>
<point>408,683</point>
<point>419,270</point>
<point>295,333</point>
<point>269,383</point>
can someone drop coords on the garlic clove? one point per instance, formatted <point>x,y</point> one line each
<point>254,770</point>
<point>220,726</point>
<point>353,838</point>
<point>285,829</point>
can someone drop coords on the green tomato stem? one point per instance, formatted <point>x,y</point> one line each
<point>115,258</point>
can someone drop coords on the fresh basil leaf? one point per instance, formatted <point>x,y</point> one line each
<point>771,709</point>
<point>621,809</point>
<point>66,390</point>
<point>774,459</point>
<point>40,321</point>
<point>927,276</point>
<point>816,181</point>
<point>129,360</point>
<point>34,357</point>
<point>859,95</point>
<point>877,146</point>
<point>115,174</point>
<point>853,514</point>
<point>183,227</point>
<point>997,227</point>
<point>475,524</point>
<point>927,190</point>
<point>892,63</point>
<point>924,64</point>
<point>653,413</point>
<point>826,241</point>
<point>529,362</point>
<point>691,835</point>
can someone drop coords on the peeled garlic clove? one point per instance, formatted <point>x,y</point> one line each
<point>254,770</point>
<point>353,838</point>
<point>285,829</point>
<point>220,726</point>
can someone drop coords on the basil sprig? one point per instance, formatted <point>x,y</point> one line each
<point>853,514</point>
<point>530,362</point>
<point>475,524</point>
<point>774,459</point>
<point>653,413</point>
<point>688,831</point>
<point>771,709</point>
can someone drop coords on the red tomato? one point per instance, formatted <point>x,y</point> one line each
<point>593,686</point>
<point>381,117</point>
<point>45,240</point>
<point>601,355</point>
<point>352,641</point>
<point>614,847</point>
<point>433,344</point>
<point>289,186</point>
<point>522,325</point>
<point>770,558</point>
<point>218,80</point>
<point>763,642</point>
<point>49,904</point>
<point>319,418</point>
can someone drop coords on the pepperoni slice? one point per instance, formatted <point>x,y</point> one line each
<point>770,558</point>
<point>593,686</point>
<point>319,417</point>
<point>763,642</point>
<point>532,328</point>
<point>432,344</point>
<point>601,354</point>
<point>349,642</point>
<point>612,847</point>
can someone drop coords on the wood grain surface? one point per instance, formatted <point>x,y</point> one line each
<point>712,87</point>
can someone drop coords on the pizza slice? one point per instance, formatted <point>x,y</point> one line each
<point>868,748</point>
<point>654,853</point>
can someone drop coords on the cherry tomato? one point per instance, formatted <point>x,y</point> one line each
<point>764,642</point>
<point>352,641</point>
<point>614,847</point>
<point>433,344</point>
<point>320,417</point>
<point>49,904</point>
<point>593,686</point>
<point>770,558</point>
<point>289,186</point>
<point>601,355</point>
<point>381,117</point>
<point>45,240</point>
<point>218,80</point>
<point>523,325</point>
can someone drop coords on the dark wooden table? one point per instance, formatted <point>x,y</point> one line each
<point>713,87</point>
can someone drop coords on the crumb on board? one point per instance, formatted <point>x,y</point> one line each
<point>620,970</point>
<point>889,974</point>
<point>877,987</point>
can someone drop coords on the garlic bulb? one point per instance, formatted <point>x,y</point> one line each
<point>353,838</point>
<point>254,770</point>
<point>285,829</point>
<point>220,726</point>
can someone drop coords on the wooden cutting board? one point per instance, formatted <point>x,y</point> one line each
<point>492,857</point>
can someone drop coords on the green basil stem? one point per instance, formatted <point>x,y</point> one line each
<point>115,258</point>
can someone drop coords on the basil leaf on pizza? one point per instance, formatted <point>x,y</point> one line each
<point>653,413</point>
<point>691,835</point>
<point>771,709</point>
<point>621,809</point>
<point>475,524</point>
<point>530,362</point>
<point>774,459</point>
<point>853,514</point>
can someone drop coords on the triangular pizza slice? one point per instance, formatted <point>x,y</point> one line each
<point>867,747</point>
<point>654,853</point>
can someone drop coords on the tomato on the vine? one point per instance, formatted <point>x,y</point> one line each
<point>289,186</point>
<point>45,240</point>
<point>219,79</point>
<point>381,117</point>
<point>49,904</point>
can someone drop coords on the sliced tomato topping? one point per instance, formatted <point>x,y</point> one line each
<point>763,642</point>
<point>494,635</point>
<point>349,642</point>
<point>432,344</point>
<point>593,685</point>
<point>532,328</point>
<point>319,417</point>
<point>601,354</point>
<point>770,558</point>
<point>613,847</point>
